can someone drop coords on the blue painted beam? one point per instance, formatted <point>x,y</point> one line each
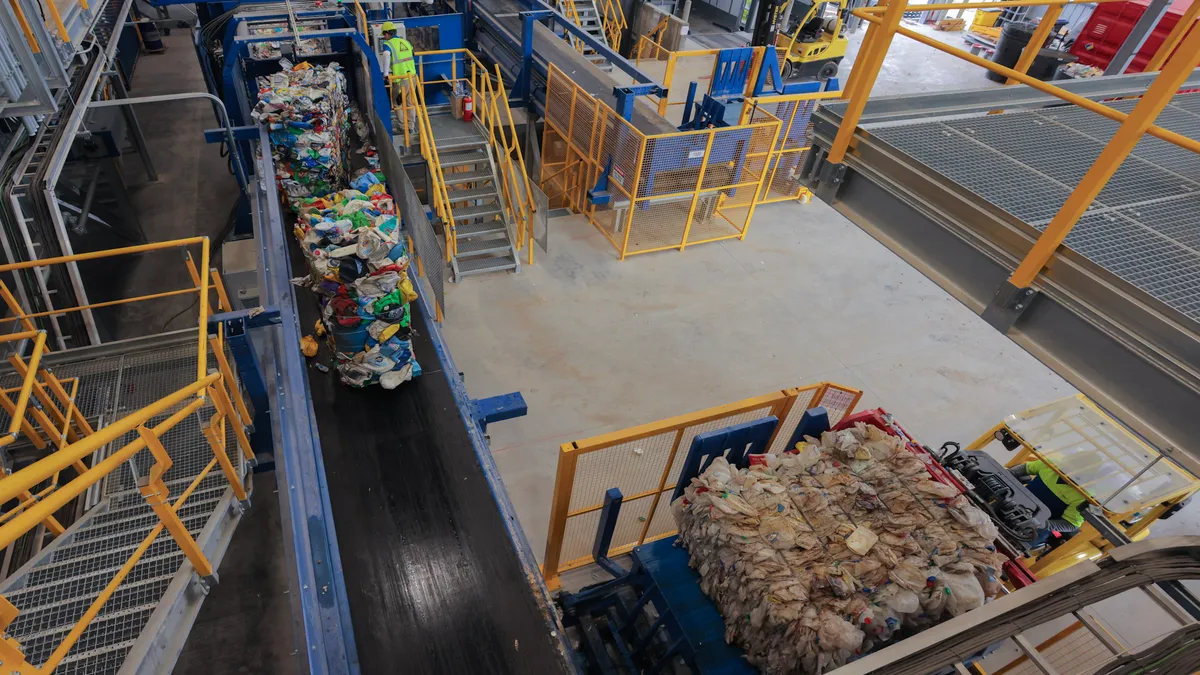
<point>245,133</point>
<point>499,408</point>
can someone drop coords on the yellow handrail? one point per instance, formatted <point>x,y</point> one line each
<point>613,21</point>
<point>495,115</point>
<point>67,427</point>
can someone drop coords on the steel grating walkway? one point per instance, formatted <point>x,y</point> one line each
<point>1145,225</point>
<point>55,588</point>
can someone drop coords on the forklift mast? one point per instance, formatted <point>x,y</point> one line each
<point>766,22</point>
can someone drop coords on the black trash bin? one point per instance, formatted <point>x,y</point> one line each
<point>1013,38</point>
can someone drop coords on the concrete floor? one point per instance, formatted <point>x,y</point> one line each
<point>597,345</point>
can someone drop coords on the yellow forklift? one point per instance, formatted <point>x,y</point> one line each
<point>812,45</point>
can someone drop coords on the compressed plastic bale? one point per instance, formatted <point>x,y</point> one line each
<point>965,593</point>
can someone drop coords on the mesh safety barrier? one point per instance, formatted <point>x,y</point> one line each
<point>644,462</point>
<point>791,146</point>
<point>665,191</point>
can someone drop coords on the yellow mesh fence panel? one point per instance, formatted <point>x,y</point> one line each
<point>791,146</point>
<point>666,191</point>
<point>645,462</point>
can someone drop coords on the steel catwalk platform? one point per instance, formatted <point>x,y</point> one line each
<point>962,193</point>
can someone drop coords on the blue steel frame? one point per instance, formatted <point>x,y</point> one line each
<point>238,325</point>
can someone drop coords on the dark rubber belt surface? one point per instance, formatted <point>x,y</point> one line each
<point>433,580</point>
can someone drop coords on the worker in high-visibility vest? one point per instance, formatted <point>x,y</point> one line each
<point>1063,500</point>
<point>402,67</point>
<point>399,51</point>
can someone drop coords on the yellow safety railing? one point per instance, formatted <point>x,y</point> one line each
<point>1182,53</point>
<point>644,462</point>
<point>783,183</point>
<point>25,28</point>
<point>408,97</point>
<point>612,19</point>
<point>360,21</point>
<point>570,11</point>
<point>667,191</point>
<point>666,66</point>
<point>491,109</point>
<point>57,417</point>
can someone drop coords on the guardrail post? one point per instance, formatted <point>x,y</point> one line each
<point>1187,21</point>
<point>1036,42</point>
<point>864,80</point>
<point>237,326</point>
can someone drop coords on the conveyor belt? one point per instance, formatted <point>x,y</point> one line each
<point>550,48</point>
<point>433,580</point>
<point>1145,225</point>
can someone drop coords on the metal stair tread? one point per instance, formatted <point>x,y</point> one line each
<point>71,547</point>
<point>471,247</point>
<point>461,158</point>
<point>471,193</point>
<point>481,265</point>
<point>46,588</point>
<point>130,496</point>
<point>456,178</point>
<point>150,516</point>
<point>129,621</point>
<point>101,659</point>
<point>123,512</point>
<point>477,211</point>
<point>155,586</point>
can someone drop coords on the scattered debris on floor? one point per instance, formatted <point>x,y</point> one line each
<point>829,551</point>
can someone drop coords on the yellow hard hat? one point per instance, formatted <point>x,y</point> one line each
<point>388,25</point>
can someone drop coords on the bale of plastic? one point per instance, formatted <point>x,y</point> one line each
<point>839,546</point>
<point>305,110</point>
<point>358,267</point>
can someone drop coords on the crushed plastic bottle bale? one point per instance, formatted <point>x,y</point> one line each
<point>351,238</point>
<point>305,109</point>
<point>782,549</point>
<point>357,265</point>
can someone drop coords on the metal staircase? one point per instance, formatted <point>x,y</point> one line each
<point>145,621</point>
<point>586,15</point>
<point>482,231</point>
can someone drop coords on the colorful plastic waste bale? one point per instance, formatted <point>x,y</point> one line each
<point>358,266</point>
<point>305,109</point>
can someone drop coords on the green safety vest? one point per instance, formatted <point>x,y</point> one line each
<point>402,56</point>
<point>1071,498</point>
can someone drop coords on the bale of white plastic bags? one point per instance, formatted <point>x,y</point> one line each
<point>822,554</point>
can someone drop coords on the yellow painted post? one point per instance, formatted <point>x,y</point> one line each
<point>687,226</point>
<point>221,400</point>
<point>665,100</point>
<point>26,428</point>
<point>870,70</point>
<point>222,297</point>
<point>57,389</point>
<point>58,22</point>
<point>564,481</point>
<point>15,307</point>
<point>1157,96</point>
<point>1035,43</point>
<point>217,443</point>
<point>202,357</point>
<point>870,39</point>
<point>758,194</point>
<point>227,377</point>
<point>33,43</point>
<point>157,496</point>
<point>1187,21</point>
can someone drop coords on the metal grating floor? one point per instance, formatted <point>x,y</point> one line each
<point>1145,225</point>
<point>55,592</point>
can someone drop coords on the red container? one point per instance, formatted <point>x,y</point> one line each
<point>1112,22</point>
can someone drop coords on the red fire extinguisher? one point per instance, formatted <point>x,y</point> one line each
<point>468,108</point>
